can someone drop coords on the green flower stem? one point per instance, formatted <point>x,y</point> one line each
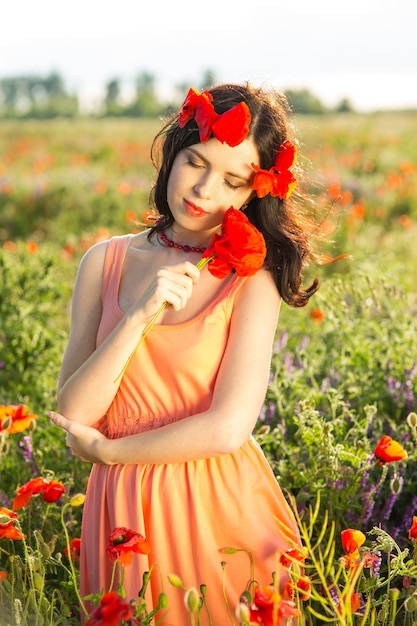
<point>73,574</point>
<point>232,621</point>
<point>199,265</point>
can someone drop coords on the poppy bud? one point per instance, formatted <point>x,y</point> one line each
<point>6,423</point>
<point>175,581</point>
<point>77,500</point>
<point>410,603</point>
<point>243,613</point>
<point>412,420</point>
<point>191,600</point>
<point>396,485</point>
<point>163,601</point>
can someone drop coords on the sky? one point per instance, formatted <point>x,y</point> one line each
<point>363,50</point>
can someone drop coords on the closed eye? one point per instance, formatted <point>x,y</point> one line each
<point>231,186</point>
<point>194,164</point>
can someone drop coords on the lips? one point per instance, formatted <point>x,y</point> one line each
<point>194,210</point>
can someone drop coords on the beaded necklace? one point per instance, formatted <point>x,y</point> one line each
<point>178,246</point>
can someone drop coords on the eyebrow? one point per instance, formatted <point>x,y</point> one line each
<point>232,174</point>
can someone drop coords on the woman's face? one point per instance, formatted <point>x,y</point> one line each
<point>208,178</point>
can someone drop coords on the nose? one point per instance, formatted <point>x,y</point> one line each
<point>203,187</point>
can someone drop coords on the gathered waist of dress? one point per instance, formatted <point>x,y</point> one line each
<point>125,424</point>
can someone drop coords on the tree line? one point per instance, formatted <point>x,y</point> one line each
<point>44,97</point>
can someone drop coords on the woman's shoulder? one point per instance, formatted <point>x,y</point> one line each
<point>96,254</point>
<point>259,293</point>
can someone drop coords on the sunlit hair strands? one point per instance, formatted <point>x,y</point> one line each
<point>284,222</point>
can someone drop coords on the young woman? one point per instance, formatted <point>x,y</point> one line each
<point>170,439</point>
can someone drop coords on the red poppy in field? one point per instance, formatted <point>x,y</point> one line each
<point>111,612</point>
<point>32,246</point>
<point>300,587</point>
<point>412,533</point>
<point>388,451</point>
<point>240,247</point>
<point>8,529</point>
<point>352,540</point>
<point>51,491</point>
<point>317,315</point>
<point>3,575</point>
<point>278,181</point>
<point>293,555</point>
<point>355,601</point>
<point>123,542</point>
<point>268,605</point>
<point>14,418</point>
<point>75,547</point>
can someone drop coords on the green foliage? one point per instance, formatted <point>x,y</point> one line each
<point>33,325</point>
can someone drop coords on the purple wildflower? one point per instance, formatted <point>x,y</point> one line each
<point>376,564</point>
<point>26,445</point>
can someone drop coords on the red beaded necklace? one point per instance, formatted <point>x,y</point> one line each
<point>178,246</point>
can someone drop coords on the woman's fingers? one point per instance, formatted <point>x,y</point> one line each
<point>175,284</point>
<point>59,420</point>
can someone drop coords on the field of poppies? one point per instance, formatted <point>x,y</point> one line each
<point>339,423</point>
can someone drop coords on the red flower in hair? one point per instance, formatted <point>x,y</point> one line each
<point>123,542</point>
<point>278,181</point>
<point>231,127</point>
<point>240,247</point>
<point>113,610</point>
<point>388,451</point>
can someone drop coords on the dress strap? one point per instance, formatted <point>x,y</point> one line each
<point>113,265</point>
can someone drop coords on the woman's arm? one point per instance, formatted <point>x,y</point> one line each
<point>238,395</point>
<point>89,376</point>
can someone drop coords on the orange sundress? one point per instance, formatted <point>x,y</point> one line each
<point>187,511</point>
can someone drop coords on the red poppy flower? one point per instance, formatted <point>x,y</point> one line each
<point>412,533</point>
<point>8,530</point>
<point>300,587</point>
<point>269,605</point>
<point>352,539</point>
<point>75,548</point>
<point>231,127</point>
<point>278,181</point>
<point>355,602</point>
<point>51,491</point>
<point>293,554</point>
<point>317,315</point>
<point>388,451</point>
<point>123,542</point>
<point>111,612</point>
<point>15,418</point>
<point>240,247</point>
